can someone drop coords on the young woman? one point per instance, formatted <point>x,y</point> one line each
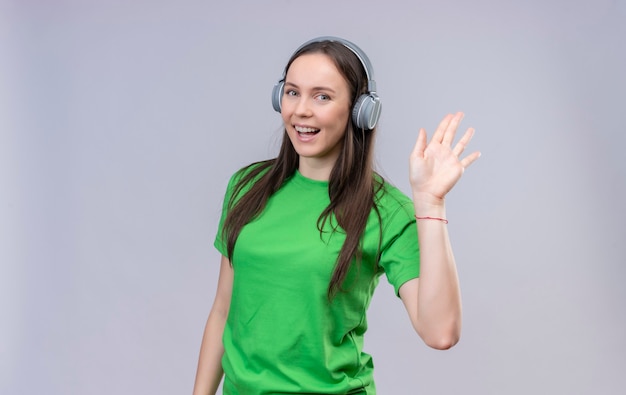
<point>305,237</point>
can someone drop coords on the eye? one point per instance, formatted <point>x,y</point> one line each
<point>323,97</point>
<point>291,92</point>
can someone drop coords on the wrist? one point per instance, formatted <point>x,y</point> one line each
<point>429,206</point>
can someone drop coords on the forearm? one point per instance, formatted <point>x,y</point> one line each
<point>439,297</point>
<point>210,372</point>
<point>434,300</point>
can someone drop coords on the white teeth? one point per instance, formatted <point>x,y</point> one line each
<point>301,129</point>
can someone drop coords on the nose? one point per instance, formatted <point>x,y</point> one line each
<point>303,107</point>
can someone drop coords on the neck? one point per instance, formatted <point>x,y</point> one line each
<point>316,169</point>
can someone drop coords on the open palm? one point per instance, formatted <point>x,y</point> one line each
<point>435,167</point>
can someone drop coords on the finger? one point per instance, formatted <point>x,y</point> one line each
<point>450,132</point>
<point>441,129</point>
<point>420,144</point>
<point>469,159</point>
<point>463,142</point>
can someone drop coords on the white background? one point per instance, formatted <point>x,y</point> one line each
<point>121,122</point>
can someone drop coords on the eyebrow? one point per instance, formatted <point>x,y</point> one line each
<point>315,88</point>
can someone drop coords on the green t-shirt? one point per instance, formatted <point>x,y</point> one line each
<point>282,335</point>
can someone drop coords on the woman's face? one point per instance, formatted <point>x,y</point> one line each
<point>316,109</point>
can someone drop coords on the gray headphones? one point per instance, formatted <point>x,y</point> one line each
<point>366,109</point>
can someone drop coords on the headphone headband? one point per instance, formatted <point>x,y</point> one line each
<point>366,109</point>
<point>365,61</point>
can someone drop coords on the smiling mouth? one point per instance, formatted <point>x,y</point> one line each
<point>306,131</point>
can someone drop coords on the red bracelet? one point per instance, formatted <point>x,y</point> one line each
<point>445,221</point>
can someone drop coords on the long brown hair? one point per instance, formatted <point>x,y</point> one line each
<point>352,184</point>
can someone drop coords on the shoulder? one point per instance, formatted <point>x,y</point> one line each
<point>243,180</point>
<point>253,169</point>
<point>390,200</point>
<point>249,174</point>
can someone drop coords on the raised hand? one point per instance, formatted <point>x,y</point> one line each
<point>435,168</point>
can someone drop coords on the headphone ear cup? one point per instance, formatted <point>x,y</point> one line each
<point>366,111</point>
<point>277,95</point>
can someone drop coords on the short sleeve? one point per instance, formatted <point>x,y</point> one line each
<point>400,257</point>
<point>220,243</point>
